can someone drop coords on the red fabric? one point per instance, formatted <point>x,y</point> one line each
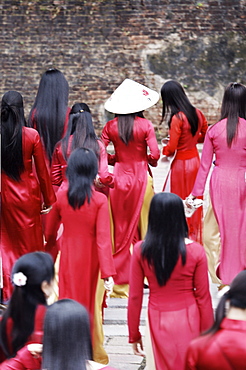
<point>35,337</point>
<point>59,165</point>
<point>226,349</point>
<point>126,199</point>
<point>228,194</point>
<point>21,227</point>
<point>186,163</point>
<point>177,312</point>
<point>85,246</point>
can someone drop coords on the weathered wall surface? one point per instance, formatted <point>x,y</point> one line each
<point>97,44</point>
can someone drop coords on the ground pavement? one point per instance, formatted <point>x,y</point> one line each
<point>115,316</point>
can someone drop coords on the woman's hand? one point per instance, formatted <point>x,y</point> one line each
<point>138,348</point>
<point>35,349</point>
<point>109,284</point>
<point>45,209</point>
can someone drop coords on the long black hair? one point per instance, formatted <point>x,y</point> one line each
<point>81,127</point>
<point>67,340</point>
<point>12,121</point>
<point>35,268</point>
<point>174,101</point>
<point>165,238</point>
<point>49,110</point>
<point>125,124</point>
<point>236,296</point>
<point>233,107</point>
<point>81,171</point>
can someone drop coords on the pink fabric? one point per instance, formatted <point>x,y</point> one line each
<point>225,350</point>
<point>126,199</point>
<point>228,194</point>
<point>177,312</point>
<point>185,166</point>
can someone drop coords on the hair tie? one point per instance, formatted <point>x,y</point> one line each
<point>81,110</point>
<point>19,279</point>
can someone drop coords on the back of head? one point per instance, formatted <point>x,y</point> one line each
<point>175,100</point>
<point>49,110</point>
<point>237,292</point>
<point>78,107</point>
<point>236,296</point>
<point>233,107</point>
<point>12,121</point>
<point>28,274</point>
<point>81,127</point>
<point>67,341</point>
<point>81,171</point>
<point>167,229</point>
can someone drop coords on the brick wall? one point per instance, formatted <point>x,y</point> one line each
<point>97,44</point>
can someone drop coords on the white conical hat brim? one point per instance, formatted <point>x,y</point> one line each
<point>131,97</point>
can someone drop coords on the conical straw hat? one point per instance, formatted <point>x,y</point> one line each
<point>131,97</point>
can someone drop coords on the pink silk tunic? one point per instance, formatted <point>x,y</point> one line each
<point>228,194</point>
<point>226,349</point>
<point>177,312</point>
<point>186,163</point>
<point>126,199</point>
<point>85,246</point>
<point>21,227</point>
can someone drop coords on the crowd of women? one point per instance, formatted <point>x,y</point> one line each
<point>109,234</point>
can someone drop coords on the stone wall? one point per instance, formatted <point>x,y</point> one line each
<point>97,44</point>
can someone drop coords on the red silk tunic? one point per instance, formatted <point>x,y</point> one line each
<point>186,163</point>
<point>21,227</point>
<point>126,199</point>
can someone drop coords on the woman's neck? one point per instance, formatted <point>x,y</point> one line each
<point>235,313</point>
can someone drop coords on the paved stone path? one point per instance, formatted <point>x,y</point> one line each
<point>115,316</point>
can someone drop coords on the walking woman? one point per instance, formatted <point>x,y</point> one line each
<point>85,243</point>
<point>80,133</point>
<point>59,351</point>
<point>187,127</point>
<point>223,346</point>
<point>132,136</point>
<point>179,306</point>
<point>22,322</point>
<point>49,114</point>
<point>226,139</point>
<point>21,227</point>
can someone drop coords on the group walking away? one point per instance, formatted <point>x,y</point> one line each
<point>76,231</point>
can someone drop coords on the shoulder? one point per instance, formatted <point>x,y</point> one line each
<point>196,250</point>
<point>31,133</point>
<point>216,127</point>
<point>200,115</point>
<point>99,198</point>
<point>137,249</point>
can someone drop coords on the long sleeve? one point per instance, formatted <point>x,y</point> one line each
<point>104,245</point>
<point>206,161</point>
<point>22,361</point>
<point>202,293</point>
<point>105,176</point>
<point>153,146</point>
<point>57,168</point>
<point>175,133</point>
<point>106,139</point>
<point>204,127</point>
<point>191,357</point>
<point>42,173</point>
<point>52,228</point>
<point>136,282</point>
